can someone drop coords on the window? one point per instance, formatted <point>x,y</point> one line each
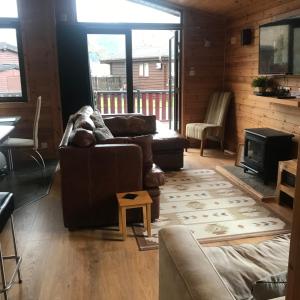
<point>8,9</point>
<point>12,79</point>
<point>125,11</point>
<point>144,70</point>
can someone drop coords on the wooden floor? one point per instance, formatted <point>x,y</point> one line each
<point>91,264</point>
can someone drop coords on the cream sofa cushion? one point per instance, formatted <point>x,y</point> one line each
<point>242,265</point>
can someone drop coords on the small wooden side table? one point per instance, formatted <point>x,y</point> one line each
<point>289,166</point>
<point>143,200</point>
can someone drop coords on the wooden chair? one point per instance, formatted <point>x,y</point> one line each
<point>23,144</point>
<point>213,126</point>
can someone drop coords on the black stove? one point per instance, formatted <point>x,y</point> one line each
<point>264,147</point>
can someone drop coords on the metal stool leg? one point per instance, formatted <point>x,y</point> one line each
<point>10,159</point>
<point>3,274</point>
<point>15,246</point>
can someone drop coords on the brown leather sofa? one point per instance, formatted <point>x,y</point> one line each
<point>91,176</point>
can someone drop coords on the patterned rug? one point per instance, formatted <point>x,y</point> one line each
<point>212,208</point>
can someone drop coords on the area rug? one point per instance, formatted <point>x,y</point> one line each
<point>212,208</point>
<point>28,182</point>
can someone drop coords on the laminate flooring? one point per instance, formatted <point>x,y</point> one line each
<point>89,264</point>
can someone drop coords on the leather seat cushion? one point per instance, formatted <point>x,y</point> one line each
<point>168,140</point>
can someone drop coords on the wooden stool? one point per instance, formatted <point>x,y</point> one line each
<point>142,200</point>
<point>289,166</point>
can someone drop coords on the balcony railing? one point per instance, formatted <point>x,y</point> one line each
<point>148,102</point>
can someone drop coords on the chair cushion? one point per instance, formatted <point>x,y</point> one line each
<point>196,130</point>
<point>17,142</point>
<point>6,207</point>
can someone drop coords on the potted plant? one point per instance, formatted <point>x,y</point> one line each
<point>259,85</point>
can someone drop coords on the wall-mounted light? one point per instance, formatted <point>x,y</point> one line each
<point>233,40</point>
<point>207,43</point>
<point>192,71</point>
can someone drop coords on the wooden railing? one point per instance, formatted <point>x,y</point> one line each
<point>148,102</point>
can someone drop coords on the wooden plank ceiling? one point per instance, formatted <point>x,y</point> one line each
<point>221,7</point>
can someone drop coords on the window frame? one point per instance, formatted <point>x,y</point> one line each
<point>12,23</point>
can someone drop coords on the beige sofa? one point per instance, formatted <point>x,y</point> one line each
<point>188,271</point>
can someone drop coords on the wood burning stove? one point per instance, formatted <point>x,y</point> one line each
<point>264,147</point>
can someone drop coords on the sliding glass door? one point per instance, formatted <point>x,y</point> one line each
<point>136,71</point>
<point>174,82</point>
<point>110,71</point>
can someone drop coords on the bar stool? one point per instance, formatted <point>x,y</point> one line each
<point>6,211</point>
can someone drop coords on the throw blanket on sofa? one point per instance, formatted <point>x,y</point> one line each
<point>243,265</point>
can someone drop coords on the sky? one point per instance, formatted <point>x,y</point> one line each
<point>8,9</point>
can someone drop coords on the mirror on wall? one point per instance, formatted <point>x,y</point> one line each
<point>279,47</point>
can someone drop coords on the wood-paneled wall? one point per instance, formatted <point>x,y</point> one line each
<point>37,24</point>
<point>242,65</point>
<point>206,62</point>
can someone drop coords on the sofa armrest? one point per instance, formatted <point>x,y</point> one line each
<point>65,139</point>
<point>92,176</point>
<point>185,272</point>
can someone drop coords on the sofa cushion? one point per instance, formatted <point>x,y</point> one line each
<point>102,133</point>
<point>125,126</point>
<point>131,125</point>
<point>154,177</point>
<point>144,141</point>
<point>85,122</point>
<point>81,137</point>
<point>97,119</point>
<point>249,263</point>
<point>83,111</point>
<point>270,287</point>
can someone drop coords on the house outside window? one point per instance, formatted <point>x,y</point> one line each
<point>12,76</point>
<point>144,70</point>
